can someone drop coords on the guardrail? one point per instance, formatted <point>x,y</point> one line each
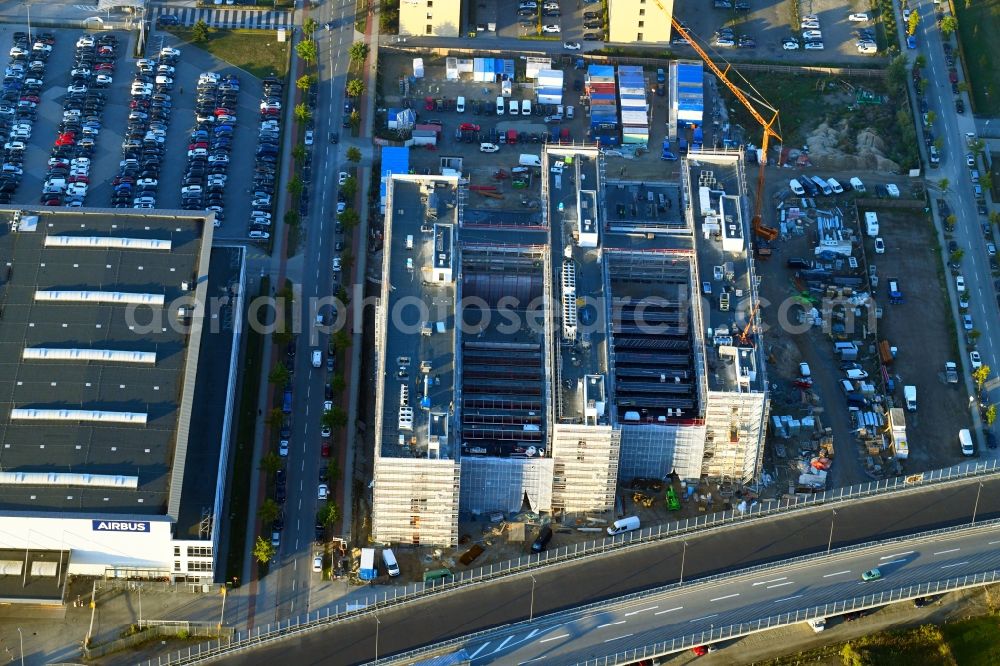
<point>700,638</point>
<point>411,592</point>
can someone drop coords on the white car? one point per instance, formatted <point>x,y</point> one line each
<point>309,137</point>
<point>809,25</point>
<point>342,177</point>
<point>76,89</point>
<point>571,46</point>
<point>327,405</point>
<point>790,45</point>
<point>879,246</point>
<point>975,360</point>
<point>812,34</point>
<point>104,80</point>
<point>341,207</point>
<point>967,322</point>
<point>796,187</point>
<point>551,28</point>
<point>814,46</point>
<point>488,147</point>
<point>859,18</point>
<point>336,264</point>
<point>906,16</point>
<point>283,448</point>
<point>147,182</point>
<point>325,431</point>
<point>960,284</point>
<point>323,491</point>
<point>318,564</point>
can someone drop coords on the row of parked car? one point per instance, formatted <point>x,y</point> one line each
<point>266,161</point>
<point>145,136</point>
<point>22,84</point>
<point>210,144</point>
<point>68,178</point>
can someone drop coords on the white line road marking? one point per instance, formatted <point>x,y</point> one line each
<point>773,580</point>
<point>481,648</point>
<point>889,557</point>
<point>771,587</point>
<point>616,638</point>
<point>778,601</point>
<point>610,624</point>
<point>942,552</point>
<point>894,561</point>
<point>956,564</point>
<point>669,610</point>
<point>839,573</point>
<point>992,543</point>
<point>300,504</point>
<point>550,638</point>
<point>531,660</point>
<point>728,596</point>
<point>505,641</point>
<point>641,611</point>
<point>293,585</point>
<point>699,619</point>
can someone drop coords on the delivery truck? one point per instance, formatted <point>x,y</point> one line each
<point>367,571</point>
<point>910,393</point>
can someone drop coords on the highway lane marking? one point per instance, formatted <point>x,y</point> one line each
<point>992,543</point>
<point>481,648</point>
<point>773,580</point>
<point>728,596</point>
<point>699,619</point>
<point>531,660</point>
<point>953,550</point>
<point>771,587</point>
<point>505,641</point>
<point>956,564</point>
<point>669,610</point>
<point>610,624</point>
<point>641,611</point>
<point>550,638</point>
<point>778,601</point>
<point>616,638</point>
<point>889,557</point>
<point>894,561</point>
<point>839,573</point>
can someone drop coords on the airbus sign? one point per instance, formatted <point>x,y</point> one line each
<point>120,526</point>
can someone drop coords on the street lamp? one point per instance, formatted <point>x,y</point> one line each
<point>829,542</point>
<point>20,637</point>
<point>531,608</point>
<point>683,557</point>
<point>378,624</point>
<point>222,615</point>
<point>975,507</point>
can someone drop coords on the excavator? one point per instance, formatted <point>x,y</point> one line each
<point>759,228</point>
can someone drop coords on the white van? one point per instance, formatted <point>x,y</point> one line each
<point>871,224</point>
<point>822,185</point>
<point>526,107</point>
<point>529,160</point>
<point>835,186</point>
<point>965,441</point>
<point>409,242</point>
<point>857,184</point>
<point>317,358</point>
<point>623,525</point>
<point>389,560</point>
<point>488,147</point>
<point>796,187</point>
<point>460,105</point>
<point>500,106</point>
<point>513,108</point>
<point>570,112</point>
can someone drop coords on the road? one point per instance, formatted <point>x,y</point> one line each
<point>311,268</point>
<point>953,127</point>
<point>577,636</point>
<point>473,609</point>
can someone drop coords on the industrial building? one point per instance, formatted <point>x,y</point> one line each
<point>438,18</point>
<point>117,394</point>
<point>640,21</point>
<point>536,370</point>
<point>686,111</point>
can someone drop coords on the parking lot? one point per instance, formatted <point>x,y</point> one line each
<point>108,151</point>
<point>574,18</point>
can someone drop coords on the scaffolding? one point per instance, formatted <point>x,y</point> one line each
<point>585,472</point>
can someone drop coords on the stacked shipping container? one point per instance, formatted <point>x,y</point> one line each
<point>634,106</point>
<point>602,91</point>
<point>491,70</point>
<point>549,86</point>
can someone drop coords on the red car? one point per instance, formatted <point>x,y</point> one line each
<point>469,127</point>
<point>79,179</point>
<point>324,449</point>
<point>200,144</point>
<point>222,111</point>
<point>53,202</point>
<point>270,112</point>
<point>428,103</point>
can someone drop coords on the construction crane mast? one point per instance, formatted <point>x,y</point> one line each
<point>767,233</point>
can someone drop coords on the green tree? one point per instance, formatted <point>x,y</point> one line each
<point>990,416</point>
<point>279,375</point>
<point>354,154</point>
<point>350,188</point>
<point>333,470</point>
<point>342,295</point>
<point>306,49</point>
<point>897,72</point>
<point>943,184</point>
<point>268,511</point>
<point>980,375</point>
<point>931,117</point>
<point>335,418</point>
<point>358,52</point>
<point>986,180</point>
<point>349,218</point>
<point>263,551</point>
<point>974,336</point>
<point>949,24</point>
<point>275,417</point>
<point>309,26</point>
<point>913,23</point>
<point>338,383</point>
<point>920,61</point>
<point>199,31</point>
<point>956,256</point>
<point>295,186</point>
<point>355,119</point>
<point>976,146</point>
<point>270,463</point>
<point>299,152</point>
<point>292,218</point>
<point>342,339</point>
<point>305,82</point>
<point>939,143</point>
<point>355,88</point>
<point>922,86</point>
<point>302,113</point>
<point>951,220</point>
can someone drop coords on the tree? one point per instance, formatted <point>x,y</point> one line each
<point>307,51</point>
<point>976,146</point>
<point>299,152</point>
<point>897,71</point>
<point>943,184</point>
<point>350,188</point>
<point>199,31</point>
<point>951,220</point>
<point>931,117</point>
<point>295,186</point>
<point>270,462</point>
<point>342,295</point>
<point>358,52</point>
<point>913,23</point>
<point>302,113</point>
<point>354,154</point>
<point>949,24</point>
<point>305,82</point>
<point>333,469</point>
<point>956,256</point>
<point>279,375</point>
<point>335,418</point>
<point>355,120</point>
<point>980,375</point>
<point>309,26</point>
<point>349,218</point>
<point>973,336</point>
<point>986,180</point>
<point>922,86</point>
<point>275,417</point>
<point>338,383</point>
<point>939,143</point>
<point>268,511</point>
<point>292,218</point>
<point>355,88</point>
<point>341,339</point>
<point>990,416</point>
<point>263,551</point>
<point>920,61</point>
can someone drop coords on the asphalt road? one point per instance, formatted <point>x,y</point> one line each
<point>294,575</point>
<point>577,636</point>
<point>474,609</point>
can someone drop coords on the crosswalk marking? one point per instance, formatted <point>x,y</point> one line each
<point>230,18</point>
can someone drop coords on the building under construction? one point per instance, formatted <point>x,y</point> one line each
<point>536,367</point>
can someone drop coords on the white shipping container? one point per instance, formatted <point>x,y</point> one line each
<point>418,68</point>
<point>634,117</point>
<point>550,99</point>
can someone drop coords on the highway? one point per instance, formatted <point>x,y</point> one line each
<point>577,636</point>
<point>312,270</point>
<point>572,585</point>
<point>953,127</point>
